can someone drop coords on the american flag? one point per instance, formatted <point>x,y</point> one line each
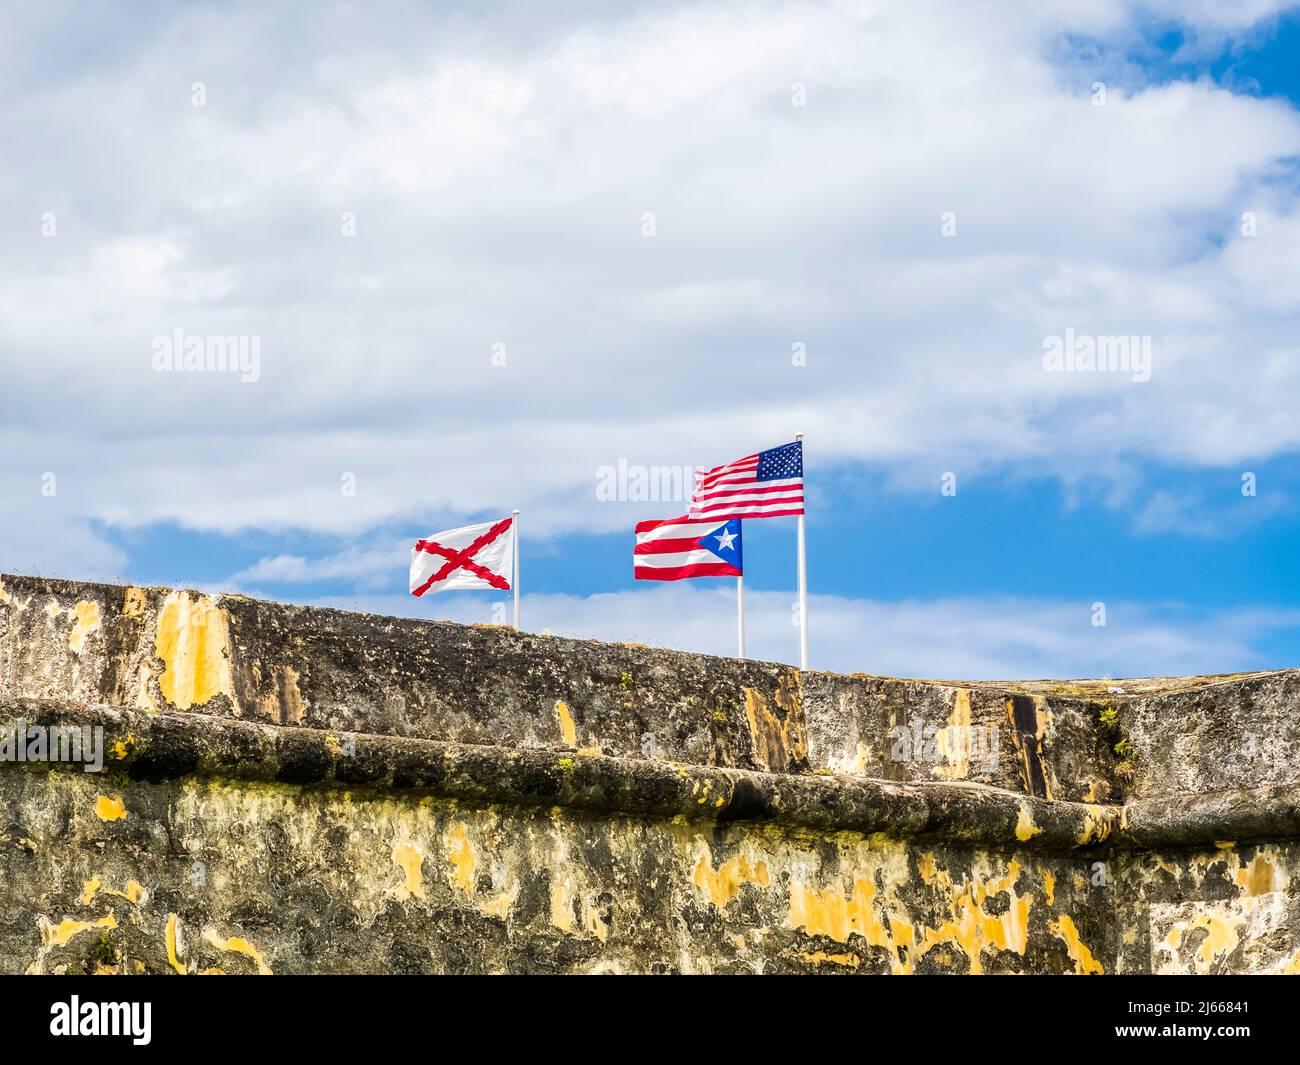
<point>766,485</point>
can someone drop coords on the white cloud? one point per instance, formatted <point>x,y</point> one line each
<point>360,565</point>
<point>51,542</point>
<point>499,176</point>
<point>1209,15</point>
<point>1189,513</point>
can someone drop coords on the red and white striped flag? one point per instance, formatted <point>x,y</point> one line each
<point>677,548</point>
<point>766,485</point>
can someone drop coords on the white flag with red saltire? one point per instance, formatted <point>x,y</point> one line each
<point>476,556</point>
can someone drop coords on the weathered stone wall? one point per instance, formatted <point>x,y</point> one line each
<point>155,648</point>
<point>1212,733</point>
<point>288,789</point>
<point>1043,744</point>
<point>201,876</point>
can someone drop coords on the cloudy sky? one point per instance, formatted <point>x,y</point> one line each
<point>485,250</point>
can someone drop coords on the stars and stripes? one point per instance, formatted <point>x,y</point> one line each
<point>676,548</point>
<point>766,485</point>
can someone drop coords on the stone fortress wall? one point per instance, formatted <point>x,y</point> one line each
<point>292,789</point>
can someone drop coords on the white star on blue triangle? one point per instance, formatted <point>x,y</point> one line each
<point>724,541</point>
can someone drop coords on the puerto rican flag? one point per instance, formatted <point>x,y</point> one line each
<point>676,548</point>
<point>766,485</point>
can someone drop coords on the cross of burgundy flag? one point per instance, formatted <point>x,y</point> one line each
<point>766,485</point>
<point>477,556</point>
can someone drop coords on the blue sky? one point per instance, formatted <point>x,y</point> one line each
<point>646,212</point>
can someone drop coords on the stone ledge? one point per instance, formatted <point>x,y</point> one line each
<point>147,746</point>
<point>168,746</point>
<point>1089,741</point>
<point>1198,820</point>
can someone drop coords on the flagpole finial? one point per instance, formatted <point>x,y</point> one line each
<point>798,436</point>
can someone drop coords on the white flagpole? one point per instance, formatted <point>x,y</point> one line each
<point>740,615</point>
<point>514,581</point>
<point>803,582</point>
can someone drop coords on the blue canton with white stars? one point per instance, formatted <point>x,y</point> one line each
<point>778,463</point>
